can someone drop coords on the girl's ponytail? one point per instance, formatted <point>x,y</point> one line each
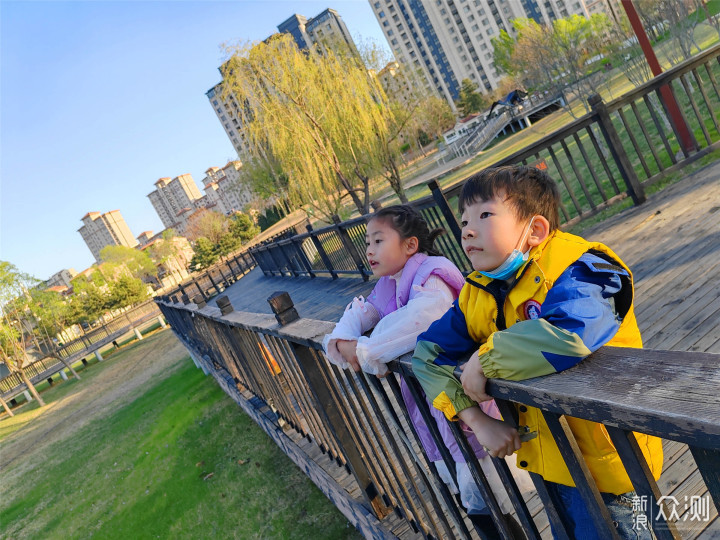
<point>408,223</point>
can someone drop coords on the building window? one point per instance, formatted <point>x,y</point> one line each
<point>377,5</point>
<point>466,9</point>
<point>381,14</point>
<point>385,23</point>
<point>456,39</point>
<point>475,28</point>
<point>215,102</point>
<point>393,41</point>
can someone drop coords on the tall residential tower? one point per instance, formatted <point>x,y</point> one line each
<point>449,40</point>
<point>173,198</point>
<point>109,229</point>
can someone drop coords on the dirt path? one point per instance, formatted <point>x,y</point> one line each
<point>103,388</point>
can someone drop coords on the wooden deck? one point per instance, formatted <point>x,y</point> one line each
<point>672,244</point>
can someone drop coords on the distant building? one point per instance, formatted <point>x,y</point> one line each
<point>172,198</point>
<point>61,278</point>
<point>144,238</point>
<point>446,41</point>
<point>395,83</point>
<point>174,269</point>
<point>326,29</point>
<point>109,229</point>
<point>223,190</point>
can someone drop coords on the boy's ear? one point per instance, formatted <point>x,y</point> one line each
<point>539,231</point>
<point>411,245</point>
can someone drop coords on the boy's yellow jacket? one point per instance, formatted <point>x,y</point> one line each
<point>530,349</point>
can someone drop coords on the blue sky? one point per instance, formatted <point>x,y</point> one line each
<point>100,99</point>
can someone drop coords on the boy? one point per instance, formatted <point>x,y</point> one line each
<point>539,302</point>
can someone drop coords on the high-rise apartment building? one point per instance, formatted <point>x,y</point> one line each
<point>109,229</point>
<point>449,40</point>
<point>172,197</point>
<point>223,190</point>
<point>61,278</point>
<point>326,29</point>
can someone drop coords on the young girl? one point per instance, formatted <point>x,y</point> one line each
<point>416,286</point>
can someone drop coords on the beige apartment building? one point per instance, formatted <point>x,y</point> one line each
<point>224,192</point>
<point>172,198</point>
<point>450,40</point>
<point>61,278</point>
<point>109,229</point>
<point>326,29</point>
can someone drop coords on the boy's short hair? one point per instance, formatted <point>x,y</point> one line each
<point>529,191</point>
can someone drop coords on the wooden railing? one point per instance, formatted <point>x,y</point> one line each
<point>359,421</point>
<point>614,152</point>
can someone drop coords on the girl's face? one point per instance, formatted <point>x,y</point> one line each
<point>386,251</point>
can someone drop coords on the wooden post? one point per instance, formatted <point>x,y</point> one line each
<point>635,189</point>
<point>138,335</point>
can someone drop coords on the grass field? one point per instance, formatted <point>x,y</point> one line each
<point>146,446</point>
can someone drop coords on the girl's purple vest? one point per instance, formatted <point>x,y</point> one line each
<point>416,271</point>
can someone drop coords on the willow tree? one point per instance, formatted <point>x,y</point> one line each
<point>315,111</point>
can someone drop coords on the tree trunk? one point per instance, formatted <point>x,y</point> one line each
<point>68,366</point>
<point>31,387</point>
<point>395,181</point>
<point>5,406</point>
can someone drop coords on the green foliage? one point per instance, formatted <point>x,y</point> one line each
<point>269,218</point>
<point>316,114</point>
<point>227,234</point>
<point>205,254</point>
<point>470,101</point>
<point>243,228</point>
<point>137,262</point>
<point>126,291</point>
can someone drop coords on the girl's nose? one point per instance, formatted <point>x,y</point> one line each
<point>467,233</point>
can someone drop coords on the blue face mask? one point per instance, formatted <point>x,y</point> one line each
<point>512,264</point>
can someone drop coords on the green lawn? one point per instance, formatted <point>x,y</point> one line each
<point>177,460</point>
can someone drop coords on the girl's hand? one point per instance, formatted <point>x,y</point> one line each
<point>498,438</point>
<point>347,349</point>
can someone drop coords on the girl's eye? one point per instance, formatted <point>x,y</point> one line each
<point>463,223</point>
<point>485,215</point>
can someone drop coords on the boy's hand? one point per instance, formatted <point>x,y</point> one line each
<point>347,349</point>
<point>473,380</point>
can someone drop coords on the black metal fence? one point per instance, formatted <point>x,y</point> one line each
<point>360,422</point>
<point>614,152</point>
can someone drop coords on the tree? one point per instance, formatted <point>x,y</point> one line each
<point>316,112</point>
<point>243,228</point>
<point>137,263</point>
<point>207,224</point>
<point>126,291</point>
<point>14,329</point>
<point>556,58</point>
<point>205,254</point>
<point>470,101</point>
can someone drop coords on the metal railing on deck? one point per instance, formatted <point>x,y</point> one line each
<point>614,152</point>
<point>361,423</point>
